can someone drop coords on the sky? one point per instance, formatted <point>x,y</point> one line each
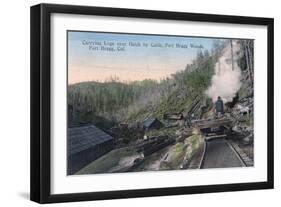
<point>98,56</point>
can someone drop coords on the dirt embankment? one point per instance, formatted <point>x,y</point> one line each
<point>173,156</point>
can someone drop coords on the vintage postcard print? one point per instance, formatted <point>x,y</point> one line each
<point>147,102</point>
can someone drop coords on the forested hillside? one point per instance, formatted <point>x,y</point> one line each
<point>111,102</point>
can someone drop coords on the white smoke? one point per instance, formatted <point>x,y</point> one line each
<point>226,80</point>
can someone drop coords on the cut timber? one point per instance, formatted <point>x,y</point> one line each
<point>215,137</point>
<point>204,123</point>
<point>154,144</point>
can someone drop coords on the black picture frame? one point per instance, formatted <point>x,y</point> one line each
<point>41,98</point>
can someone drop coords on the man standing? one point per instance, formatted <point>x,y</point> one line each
<point>219,107</point>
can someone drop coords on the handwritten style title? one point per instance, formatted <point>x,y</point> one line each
<point>112,46</point>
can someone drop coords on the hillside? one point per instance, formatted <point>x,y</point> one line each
<point>132,102</point>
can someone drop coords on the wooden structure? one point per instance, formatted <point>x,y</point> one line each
<point>212,123</point>
<point>154,144</point>
<point>214,128</point>
<point>152,123</point>
<point>85,144</point>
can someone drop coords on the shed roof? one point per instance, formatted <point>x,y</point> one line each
<point>83,137</point>
<point>149,121</point>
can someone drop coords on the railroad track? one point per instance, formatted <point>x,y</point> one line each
<point>220,153</point>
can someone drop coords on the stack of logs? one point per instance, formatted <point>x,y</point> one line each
<point>153,144</point>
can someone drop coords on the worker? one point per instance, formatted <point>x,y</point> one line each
<point>219,107</point>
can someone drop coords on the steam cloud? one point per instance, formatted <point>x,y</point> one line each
<point>226,80</point>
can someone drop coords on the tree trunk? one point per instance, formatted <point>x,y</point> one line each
<point>248,62</point>
<point>250,55</point>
